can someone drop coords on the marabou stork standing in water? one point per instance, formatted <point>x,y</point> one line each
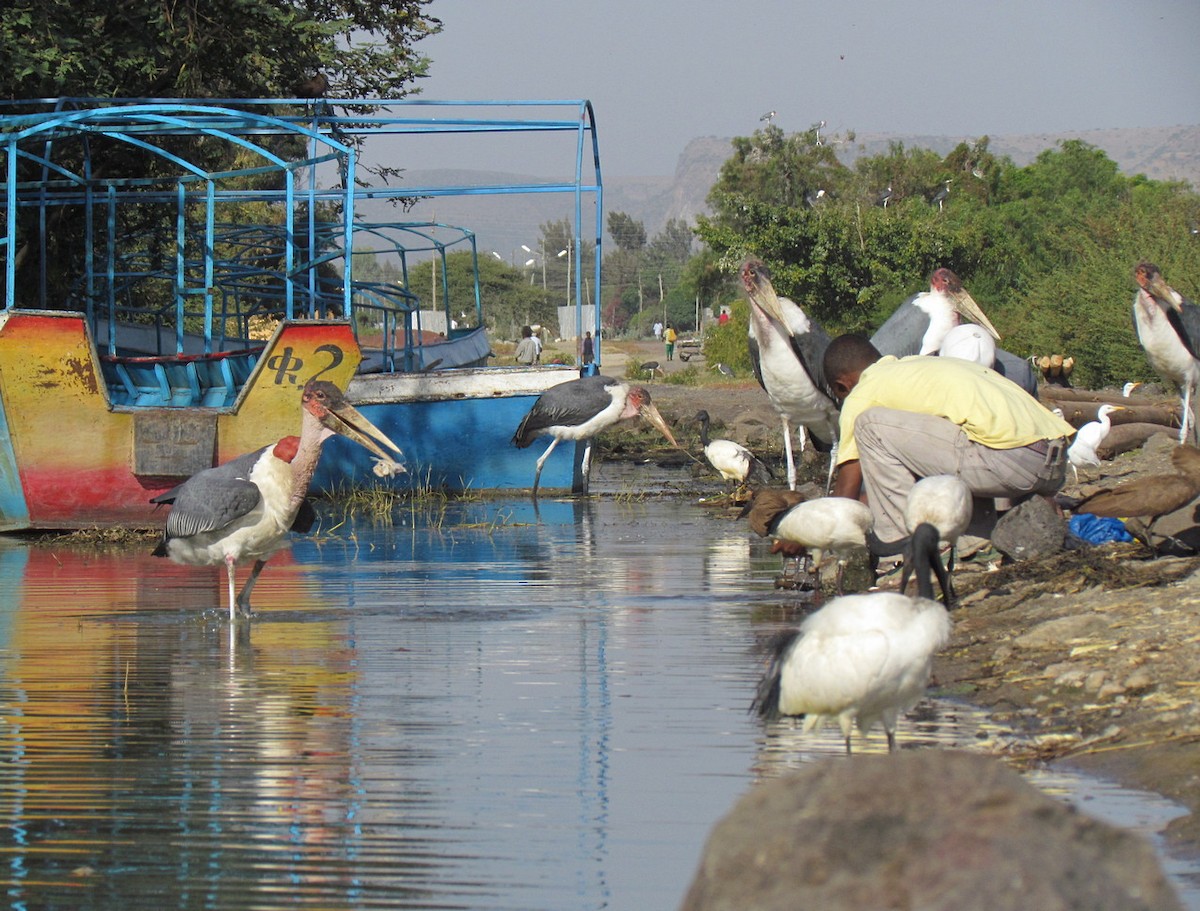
<point>922,323</point>
<point>859,659</point>
<point>580,409</point>
<point>786,349</point>
<point>1169,329</point>
<point>734,462</point>
<point>245,508</point>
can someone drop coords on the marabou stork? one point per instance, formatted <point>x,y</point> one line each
<point>580,409</point>
<point>1088,438</point>
<point>859,659</point>
<point>937,509</point>
<point>939,198</point>
<point>245,508</point>
<point>922,324</point>
<point>834,525</point>
<point>733,461</point>
<point>884,197</point>
<point>786,350</point>
<point>1168,328</point>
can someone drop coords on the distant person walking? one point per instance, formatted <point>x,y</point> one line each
<point>527,348</point>
<point>589,351</point>
<point>658,330</point>
<point>669,337</point>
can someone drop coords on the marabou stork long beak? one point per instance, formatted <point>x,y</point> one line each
<point>1157,288</point>
<point>966,307</point>
<point>334,412</point>
<point>650,413</point>
<point>762,293</point>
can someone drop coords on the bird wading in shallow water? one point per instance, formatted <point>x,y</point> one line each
<point>580,409</point>
<point>859,659</point>
<point>826,525</point>
<point>733,461</point>
<point>1168,328</point>
<point>786,350</point>
<point>244,509</point>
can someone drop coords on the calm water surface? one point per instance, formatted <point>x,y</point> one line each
<point>482,708</point>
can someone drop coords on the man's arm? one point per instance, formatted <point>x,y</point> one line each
<point>849,480</point>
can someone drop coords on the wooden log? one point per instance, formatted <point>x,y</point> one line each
<point>1080,413</point>
<point>1124,437</point>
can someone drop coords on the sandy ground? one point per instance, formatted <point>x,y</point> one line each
<point>1092,655</point>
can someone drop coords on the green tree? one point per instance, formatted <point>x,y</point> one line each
<point>509,301</point>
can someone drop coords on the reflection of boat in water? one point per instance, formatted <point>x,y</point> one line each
<point>195,304</point>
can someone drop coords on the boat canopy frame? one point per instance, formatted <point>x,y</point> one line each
<point>300,160</point>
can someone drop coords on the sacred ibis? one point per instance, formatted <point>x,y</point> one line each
<point>834,525</point>
<point>937,509</point>
<point>245,508</point>
<point>859,659</point>
<point>733,461</point>
<point>580,409</point>
<point>1168,328</point>
<point>786,350</point>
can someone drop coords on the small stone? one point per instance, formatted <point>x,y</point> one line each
<point>1139,681</point>
<point>1032,531</point>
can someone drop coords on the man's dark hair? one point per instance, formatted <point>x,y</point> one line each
<point>848,354</point>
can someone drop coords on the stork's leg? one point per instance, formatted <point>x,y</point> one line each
<point>891,737</point>
<point>841,571</point>
<point>586,467</point>
<point>1184,411</point>
<point>787,451</point>
<point>832,464</point>
<point>243,599</point>
<point>537,475</point>
<point>230,561</point>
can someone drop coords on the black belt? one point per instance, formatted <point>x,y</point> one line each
<point>1043,447</point>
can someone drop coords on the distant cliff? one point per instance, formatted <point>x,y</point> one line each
<point>1161,153</point>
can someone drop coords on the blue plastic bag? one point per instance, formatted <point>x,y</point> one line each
<point>1098,529</point>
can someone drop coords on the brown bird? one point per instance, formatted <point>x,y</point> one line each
<point>1150,498</point>
<point>314,87</point>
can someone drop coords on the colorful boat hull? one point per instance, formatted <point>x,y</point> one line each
<point>70,458</point>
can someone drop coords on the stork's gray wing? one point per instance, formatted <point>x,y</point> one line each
<point>213,498</point>
<point>1017,369</point>
<point>809,348</point>
<point>572,403</point>
<point>902,332</point>
<point>756,361</point>
<point>1187,326</point>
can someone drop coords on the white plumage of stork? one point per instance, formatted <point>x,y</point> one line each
<point>580,409</point>
<point>244,509</point>
<point>937,509</point>
<point>732,461</point>
<point>836,526</point>
<point>1168,328</point>
<point>1088,439</point>
<point>786,349</point>
<point>859,659</point>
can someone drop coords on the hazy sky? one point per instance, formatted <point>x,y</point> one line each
<point>662,72</point>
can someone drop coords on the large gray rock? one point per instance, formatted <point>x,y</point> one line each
<point>922,829</point>
<point>1031,531</point>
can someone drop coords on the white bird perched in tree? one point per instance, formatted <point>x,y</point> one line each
<point>245,508</point>
<point>834,525</point>
<point>937,509</point>
<point>1168,328</point>
<point>860,658</point>
<point>1088,439</point>
<point>733,461</point>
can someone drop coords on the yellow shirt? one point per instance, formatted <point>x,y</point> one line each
<point>992,410</point>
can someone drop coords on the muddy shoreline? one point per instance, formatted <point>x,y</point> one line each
<point>1092,655</point>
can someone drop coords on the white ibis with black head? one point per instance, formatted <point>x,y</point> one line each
<point>834,525</point>
<point>733,461</point>
<point>787,349</point>
<point>580,409</point>
<point>859,659</point>
<point>245,508</point>
<point>1088,439</point>
<point>937,509</point>
<point>1168,328</point>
